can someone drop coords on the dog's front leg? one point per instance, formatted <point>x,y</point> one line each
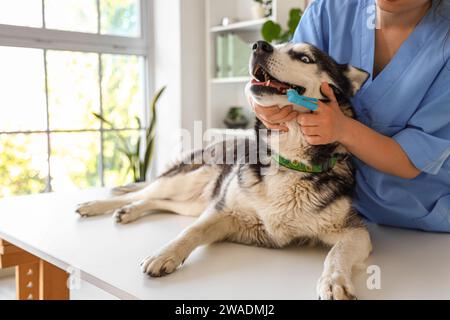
<point>211,227</point>
<point>351,247</point>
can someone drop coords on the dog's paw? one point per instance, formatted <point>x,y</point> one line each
<point>88,209</point>
<point>336,286</point>
<point>125,214</point>
<point>161,264</point>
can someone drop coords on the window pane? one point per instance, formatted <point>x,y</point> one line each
<point>122,89</point>
<point>74,92</point>
<point>120,17</point>
<point>74,160</point>
<point>26,13</point>
<point>72,15</point>
<point>117,166</point>
<point>23,164</point>
<point>22,71</point>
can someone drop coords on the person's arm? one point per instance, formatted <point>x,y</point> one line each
<point>329,124</point>
<point>376,150</point>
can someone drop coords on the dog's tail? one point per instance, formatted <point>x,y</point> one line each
<point>132,187</point>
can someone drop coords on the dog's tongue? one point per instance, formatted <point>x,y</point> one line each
<point>271,83</point>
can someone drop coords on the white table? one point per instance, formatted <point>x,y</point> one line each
<point>414,265</point>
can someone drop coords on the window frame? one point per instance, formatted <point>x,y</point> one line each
<point>49,39</point>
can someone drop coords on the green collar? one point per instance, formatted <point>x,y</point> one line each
<point>299,166</point>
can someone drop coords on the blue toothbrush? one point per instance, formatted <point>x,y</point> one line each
<point>303,101</point>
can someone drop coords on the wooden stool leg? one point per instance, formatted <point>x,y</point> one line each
<point>53,284</point>
<point>27,281</point>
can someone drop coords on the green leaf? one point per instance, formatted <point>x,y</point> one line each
<point>271,31</point>
<point>295,12</point>
<point>294,19</point>
<point>285,37</point>
<point>102,119</point>
<point>137,151</point>
<point>139,168</point>
<point>138,121</point>
<point>124,142</point>
<point>128,154</point>
<point>121,138</point>
<point>151,132</point>
<point>130,159</point>
<point>148,155</point>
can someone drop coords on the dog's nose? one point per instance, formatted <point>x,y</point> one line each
<point>262,47</point>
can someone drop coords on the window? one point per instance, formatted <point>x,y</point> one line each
<point>60,62</point>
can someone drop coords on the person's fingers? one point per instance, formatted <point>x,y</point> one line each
<point>308,120</point>
<point>273,117</point>
<point>314,140</point>
<point>264,118</point>
<point>322,105</point>
<point>271,111</point>
<point>271,126</point>
<point>266,111</point>
<point>328,92</point>
<point>311,131</point>
<point>277,117</point>
<point>291,116</point>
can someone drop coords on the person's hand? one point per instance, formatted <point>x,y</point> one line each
<point>327,124</point>
<point>274,117</point>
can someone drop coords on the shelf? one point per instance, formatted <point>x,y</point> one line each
<point>225,92</point>
<point>231,80</point>
<point>251,25</point>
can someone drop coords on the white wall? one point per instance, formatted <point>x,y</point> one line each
<point>193,62</point>
<point>179,63</point>
<point>8,272</point>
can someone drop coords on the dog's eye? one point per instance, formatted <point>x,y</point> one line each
<point>305,59</point>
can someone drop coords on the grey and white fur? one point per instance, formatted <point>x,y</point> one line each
<point>239,203</point>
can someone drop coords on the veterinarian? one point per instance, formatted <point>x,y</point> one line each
<point>401,141</point>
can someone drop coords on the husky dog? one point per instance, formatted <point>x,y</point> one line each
<point>306,200</point>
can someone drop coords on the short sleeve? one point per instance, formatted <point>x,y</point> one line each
<point>310,29</point>
<point>427,152</point>
<point>426,139</point>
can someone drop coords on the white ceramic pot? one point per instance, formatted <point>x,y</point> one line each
<point>258,11</point>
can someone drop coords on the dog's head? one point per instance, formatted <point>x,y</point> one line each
<point>303,67</point>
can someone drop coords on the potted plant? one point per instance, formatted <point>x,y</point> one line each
<point>273,32</point>
<point>137,164</point>
<point>235,118</point>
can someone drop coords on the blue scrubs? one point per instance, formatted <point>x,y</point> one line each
<point>408,101</point>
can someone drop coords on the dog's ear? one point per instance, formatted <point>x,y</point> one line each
<point>357,78</point>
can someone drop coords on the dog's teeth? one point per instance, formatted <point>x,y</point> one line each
<point>255,73</point>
